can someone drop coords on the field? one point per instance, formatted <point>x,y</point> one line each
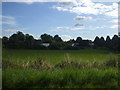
<point>86,68</point>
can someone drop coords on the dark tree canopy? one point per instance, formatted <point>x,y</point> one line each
<point>108,42</point>
<point>97,41</point>
<point>26,41</point>
<point>46,38</point>
<point>102,42</point>
<point>57,38</point>
<point>79,39</point>
<point>5,41</point>
<point>115,42</point>
<point>29,41</point>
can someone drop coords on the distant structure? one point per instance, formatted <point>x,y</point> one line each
<point>91,43</point>
<point>84,42</point>
<point>45,44</point>
<point>74,44</point>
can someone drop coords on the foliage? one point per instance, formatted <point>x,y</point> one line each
<point>21,41</point>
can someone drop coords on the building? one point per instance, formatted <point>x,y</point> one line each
<point>74,44</point>
<point>45,44</point>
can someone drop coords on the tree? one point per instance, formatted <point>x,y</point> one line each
<point>0,43</point>
<point>71,41</point>
<point>102,42</point>
<point>17,40</point>
<point>21,41</point>
<point>79,39</point>
<point>20,36</point>
<point>115,42</point>
<point>13,41</point>
<point>119,44</point>
<point>5,41</point>
<point>79,42</point>
<point>57,38</point>
<point>46,38</point>
<point>85,43</point>
<point>108,42</point>
<point>29,41</point>
<point>97,41</point>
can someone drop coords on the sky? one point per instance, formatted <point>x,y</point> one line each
<point>69,20</point>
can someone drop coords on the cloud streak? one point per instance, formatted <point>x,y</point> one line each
<point>10,30</point>
<point>83,18</point>
<point>114,21</point>
<point>70,28</point>
<point>78,25</point>
<point>7,17</point>
<point>8,20</point>
<point>114,26</point>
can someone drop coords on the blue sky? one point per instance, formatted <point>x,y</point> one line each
<point>69,20</point>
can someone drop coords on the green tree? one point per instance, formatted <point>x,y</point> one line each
<point>46,38</point>
<point>5,41</point>
<point>97,41</point>
<point>108,42</point>
<point>29,41</point>
<point>115,42</point>
<point>79,41</point>
<point>17,40</point>
<point>57,38</point>
<point>102,42</point>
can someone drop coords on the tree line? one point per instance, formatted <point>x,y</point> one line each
<point>26,41</point>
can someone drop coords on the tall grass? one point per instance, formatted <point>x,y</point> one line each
<point>69,62</point>
<point>13,78</point>
<point>55,56</point>
<point>36,69</point>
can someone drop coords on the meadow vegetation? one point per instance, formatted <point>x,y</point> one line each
<point>86,68</point>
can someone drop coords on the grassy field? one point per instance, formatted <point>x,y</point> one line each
<point>87,68</point>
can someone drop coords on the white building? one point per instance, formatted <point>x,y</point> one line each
<point>74,44</point>
<point>46,44</point>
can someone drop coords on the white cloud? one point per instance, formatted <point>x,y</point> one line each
<point>7,17</point>
<point>102,27</point>
<point>63,27</point>
<point>88,7</point>
<point>59,27</point>
<point>13,30</point>
<point>8,20</point>
<point>113,13</point>
<point>74,29</point>
<point>10,30</point>
<point>32,1</point>
<point>99,27</point>
<point>84,10</point>
<point>114,21</point>
<point>83,18</point>
<point>70,28</point>
<point>114,27</point>
<point>60,8</point>
<point>66,28</point>
<point>66,37</point>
